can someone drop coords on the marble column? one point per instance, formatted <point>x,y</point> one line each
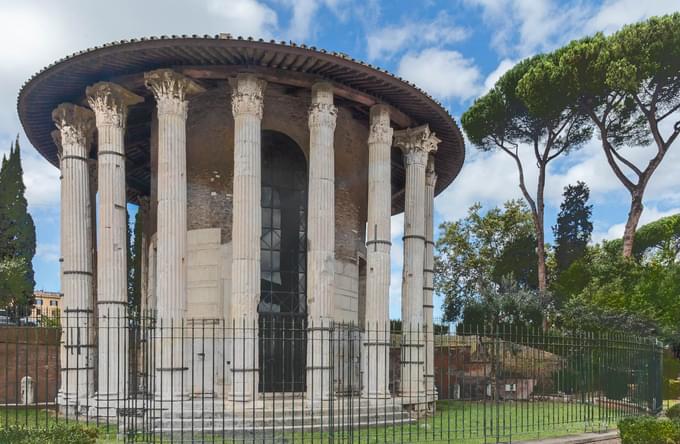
<point>320,242</point>
<point>428,279</point>
<point>375,353</point>
<point>247,107</point>
<point>416,144</point>
<point>110,104</point>
<point>75,130</point>
<point>171,89</point>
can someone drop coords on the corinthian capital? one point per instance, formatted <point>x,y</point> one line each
<point>110,103</point>
<point>430,173</point>
<point>416,143</point>
<point>171,89</point>
<point>380,130</point>
<point>322,112</point>
<point>75,126</point>
<point>247,93</point>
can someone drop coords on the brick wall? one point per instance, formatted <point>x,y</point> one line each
<point>29,351</point>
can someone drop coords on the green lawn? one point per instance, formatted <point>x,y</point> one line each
<point>38,417</point>
<point>454,422</point>
<point>473,423</point>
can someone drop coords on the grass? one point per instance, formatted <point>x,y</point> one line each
<point>459,422</point>
<point>476,422</point>
<point>39,417</point>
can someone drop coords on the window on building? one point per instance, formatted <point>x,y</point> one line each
<point>53,303</point>
<point>38,311</point>
<point>38,302</point>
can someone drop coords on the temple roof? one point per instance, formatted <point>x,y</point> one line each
<point>210,58</point>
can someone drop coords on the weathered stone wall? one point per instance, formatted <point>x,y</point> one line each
<point>204,283</point>
<point>210,162</point>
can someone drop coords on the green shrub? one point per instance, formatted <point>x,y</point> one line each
<point>649,430</point>
<point>673,412</point>
<point>61,433</point>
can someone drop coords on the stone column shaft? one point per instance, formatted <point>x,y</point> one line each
<point>321,242</point>
<point>416,144</point>
<point>75,127</point>
<point>110,103</point>
<point>375,355</point>
<point>247,108</point>
<point>428,279</point>
<point>170,90</point>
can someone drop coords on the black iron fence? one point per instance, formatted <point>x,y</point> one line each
<point>288,380</point>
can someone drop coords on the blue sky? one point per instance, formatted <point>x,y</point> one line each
<point>455,50</point>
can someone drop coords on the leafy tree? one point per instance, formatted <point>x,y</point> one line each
<point>504,307</point>
<point>658,241</point>
<point>518,261</point>
<point>476,251</point>
<point>624,294</point>
<point>573,229</point>
<point>15,290</point>
<point>628,85</point>
<point>17,231</point>
<point>501,120</point>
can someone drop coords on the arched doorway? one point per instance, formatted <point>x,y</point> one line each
<point>283,252</point>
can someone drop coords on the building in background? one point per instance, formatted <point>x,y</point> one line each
<point>47,303</point>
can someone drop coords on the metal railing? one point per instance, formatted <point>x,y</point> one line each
<point>272,380</point>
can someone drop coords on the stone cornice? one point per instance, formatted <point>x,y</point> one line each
<point>171,89</point>
<point>110,103</point>
<point>247,96</point>
<point>380,130</point>
<point>416,143</point>
<point>75,126</point>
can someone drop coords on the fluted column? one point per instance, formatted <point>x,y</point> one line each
<point>416,144</point>
<point>428,279</point>
<point>375,353</point>
<point>110,103</point>
<point>247,108</point>
<point>321,242</point>
<point>75,129</point>
<point>170,90</point>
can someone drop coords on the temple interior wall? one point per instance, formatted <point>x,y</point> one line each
<point>210,152</point>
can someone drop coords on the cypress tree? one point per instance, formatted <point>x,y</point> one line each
<point>17,230</point>
<point>573,229</point>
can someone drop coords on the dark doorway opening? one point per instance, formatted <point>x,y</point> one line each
<point>283,252</point>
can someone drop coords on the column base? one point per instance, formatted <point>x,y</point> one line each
<point>106,405</point>
<point>71,406</point>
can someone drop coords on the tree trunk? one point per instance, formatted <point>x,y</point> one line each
<point>631,224</point>
<point>540,228</point>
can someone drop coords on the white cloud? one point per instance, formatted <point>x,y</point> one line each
<point>444,74</point>
<point>589,165</point>
<point>303,23</point>
<point>525,27</point>
<point>385,42</point>
<point>48,252</point>
<point>615,231</point>
<point>615,13</point>
<point>497,73</point>
<point>247,17</point>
